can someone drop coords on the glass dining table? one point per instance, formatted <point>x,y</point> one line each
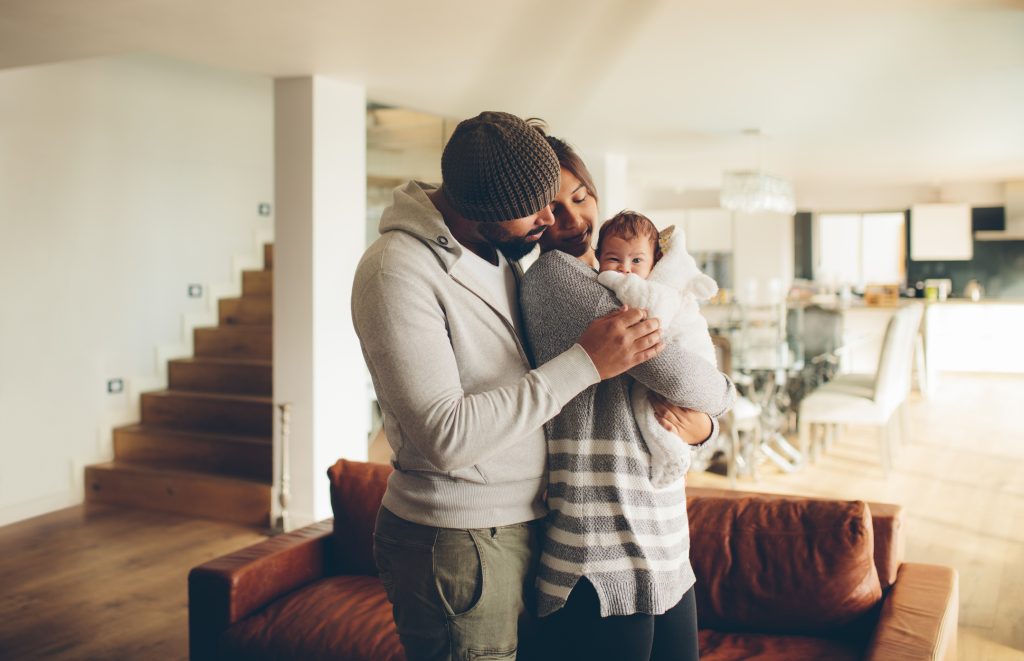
<point>762,373</point>
<point>779,351</point>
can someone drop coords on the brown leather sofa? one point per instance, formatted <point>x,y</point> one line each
<point>778,577</point>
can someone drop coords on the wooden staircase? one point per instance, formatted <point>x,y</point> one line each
<point>204,445</point>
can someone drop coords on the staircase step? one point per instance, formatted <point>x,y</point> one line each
<point>197,494</point>
<point>209,412</point>
<point>234,342</point>
<point>223,454</point>
<point>268,256</point>
<point>221,375</point>
<point>257,283</point>
<point>258,310</point>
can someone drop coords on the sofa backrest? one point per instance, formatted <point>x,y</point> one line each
<point>782,565</point>
<point>886,521</point>
<point>357,489</point>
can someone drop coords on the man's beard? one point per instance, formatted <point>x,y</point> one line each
<point>512,247</point>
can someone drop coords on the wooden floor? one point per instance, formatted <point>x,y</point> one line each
<point>100,582</point>
<point>961,480</point>
<point>106,583</point>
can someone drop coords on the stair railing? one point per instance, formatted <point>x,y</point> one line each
<point>282,523</point>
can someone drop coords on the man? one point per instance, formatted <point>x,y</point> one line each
<point>435,306</point>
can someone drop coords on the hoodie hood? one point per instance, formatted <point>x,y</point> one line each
<point>413,213</point>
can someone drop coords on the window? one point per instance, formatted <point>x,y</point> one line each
<point>860,249</point>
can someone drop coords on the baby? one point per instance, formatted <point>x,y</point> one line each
<point>652,271</point>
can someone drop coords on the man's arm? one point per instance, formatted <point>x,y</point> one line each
<point>411,358</point>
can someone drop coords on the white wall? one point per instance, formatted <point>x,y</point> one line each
<point>122,180</point>
<point>842,198</point>
<point>837,197</point>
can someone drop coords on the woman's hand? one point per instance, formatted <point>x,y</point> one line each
<point>692,426</point>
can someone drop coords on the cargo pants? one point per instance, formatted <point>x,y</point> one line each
<point>460,594</point>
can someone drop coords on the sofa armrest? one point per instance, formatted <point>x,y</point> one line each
<point>229,588</point>
<point>919,615</point>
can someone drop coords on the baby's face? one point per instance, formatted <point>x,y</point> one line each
<point>634,255</point>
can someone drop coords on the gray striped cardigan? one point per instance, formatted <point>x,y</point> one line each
<point>606,521</point>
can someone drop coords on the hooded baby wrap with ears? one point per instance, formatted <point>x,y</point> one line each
<point>670,293</point>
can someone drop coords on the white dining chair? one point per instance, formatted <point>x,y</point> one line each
<point>868,399</point>
<point>906,359</point>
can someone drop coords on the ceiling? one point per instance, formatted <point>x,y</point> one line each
<point>897,92</point>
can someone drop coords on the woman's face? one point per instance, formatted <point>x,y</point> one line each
<point>575,212</point>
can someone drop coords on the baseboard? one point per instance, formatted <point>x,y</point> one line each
<point>20,511</point>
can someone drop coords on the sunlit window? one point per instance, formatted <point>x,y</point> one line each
<point>860,249</point>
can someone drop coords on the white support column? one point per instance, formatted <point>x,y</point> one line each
<point>320,194</point>
<point>762,251</point>
<point>609,170</point>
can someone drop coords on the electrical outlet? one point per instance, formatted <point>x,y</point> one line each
<point>115,386</point>
<point>264,209</point>
<point>195,291</point>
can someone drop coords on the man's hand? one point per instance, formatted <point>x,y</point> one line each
<point>692,426</point>
<point>621,340</point>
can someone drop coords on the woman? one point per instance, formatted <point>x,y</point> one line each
<point>615,580</point>
<point>575,210</point>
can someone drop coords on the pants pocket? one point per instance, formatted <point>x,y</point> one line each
<point>458,571</point>
<point>490,655</point>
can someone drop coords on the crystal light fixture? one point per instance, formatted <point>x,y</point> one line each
<point>752,191</point>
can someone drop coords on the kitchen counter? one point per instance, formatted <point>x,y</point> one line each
<point>960,335</point>
<point>967,336</point>
<point>967,301</point>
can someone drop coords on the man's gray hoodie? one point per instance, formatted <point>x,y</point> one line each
<point>463,410</point>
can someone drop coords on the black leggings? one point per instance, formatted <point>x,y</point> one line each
<point>577,631</point>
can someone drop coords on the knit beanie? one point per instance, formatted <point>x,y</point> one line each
<point>497,167</point>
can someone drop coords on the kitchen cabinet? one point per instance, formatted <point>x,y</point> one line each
<point>941,232</point>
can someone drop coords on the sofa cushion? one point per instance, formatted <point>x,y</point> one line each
<point>723,646</point>
<point>782,565</point>
<point>886,524</point>
<point>336,618</point>
<point>356,491</point>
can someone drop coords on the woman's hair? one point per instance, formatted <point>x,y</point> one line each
<point>629,225</point>
<point>567,156</point>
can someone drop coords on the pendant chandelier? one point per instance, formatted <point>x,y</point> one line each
<point>754,191</point>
